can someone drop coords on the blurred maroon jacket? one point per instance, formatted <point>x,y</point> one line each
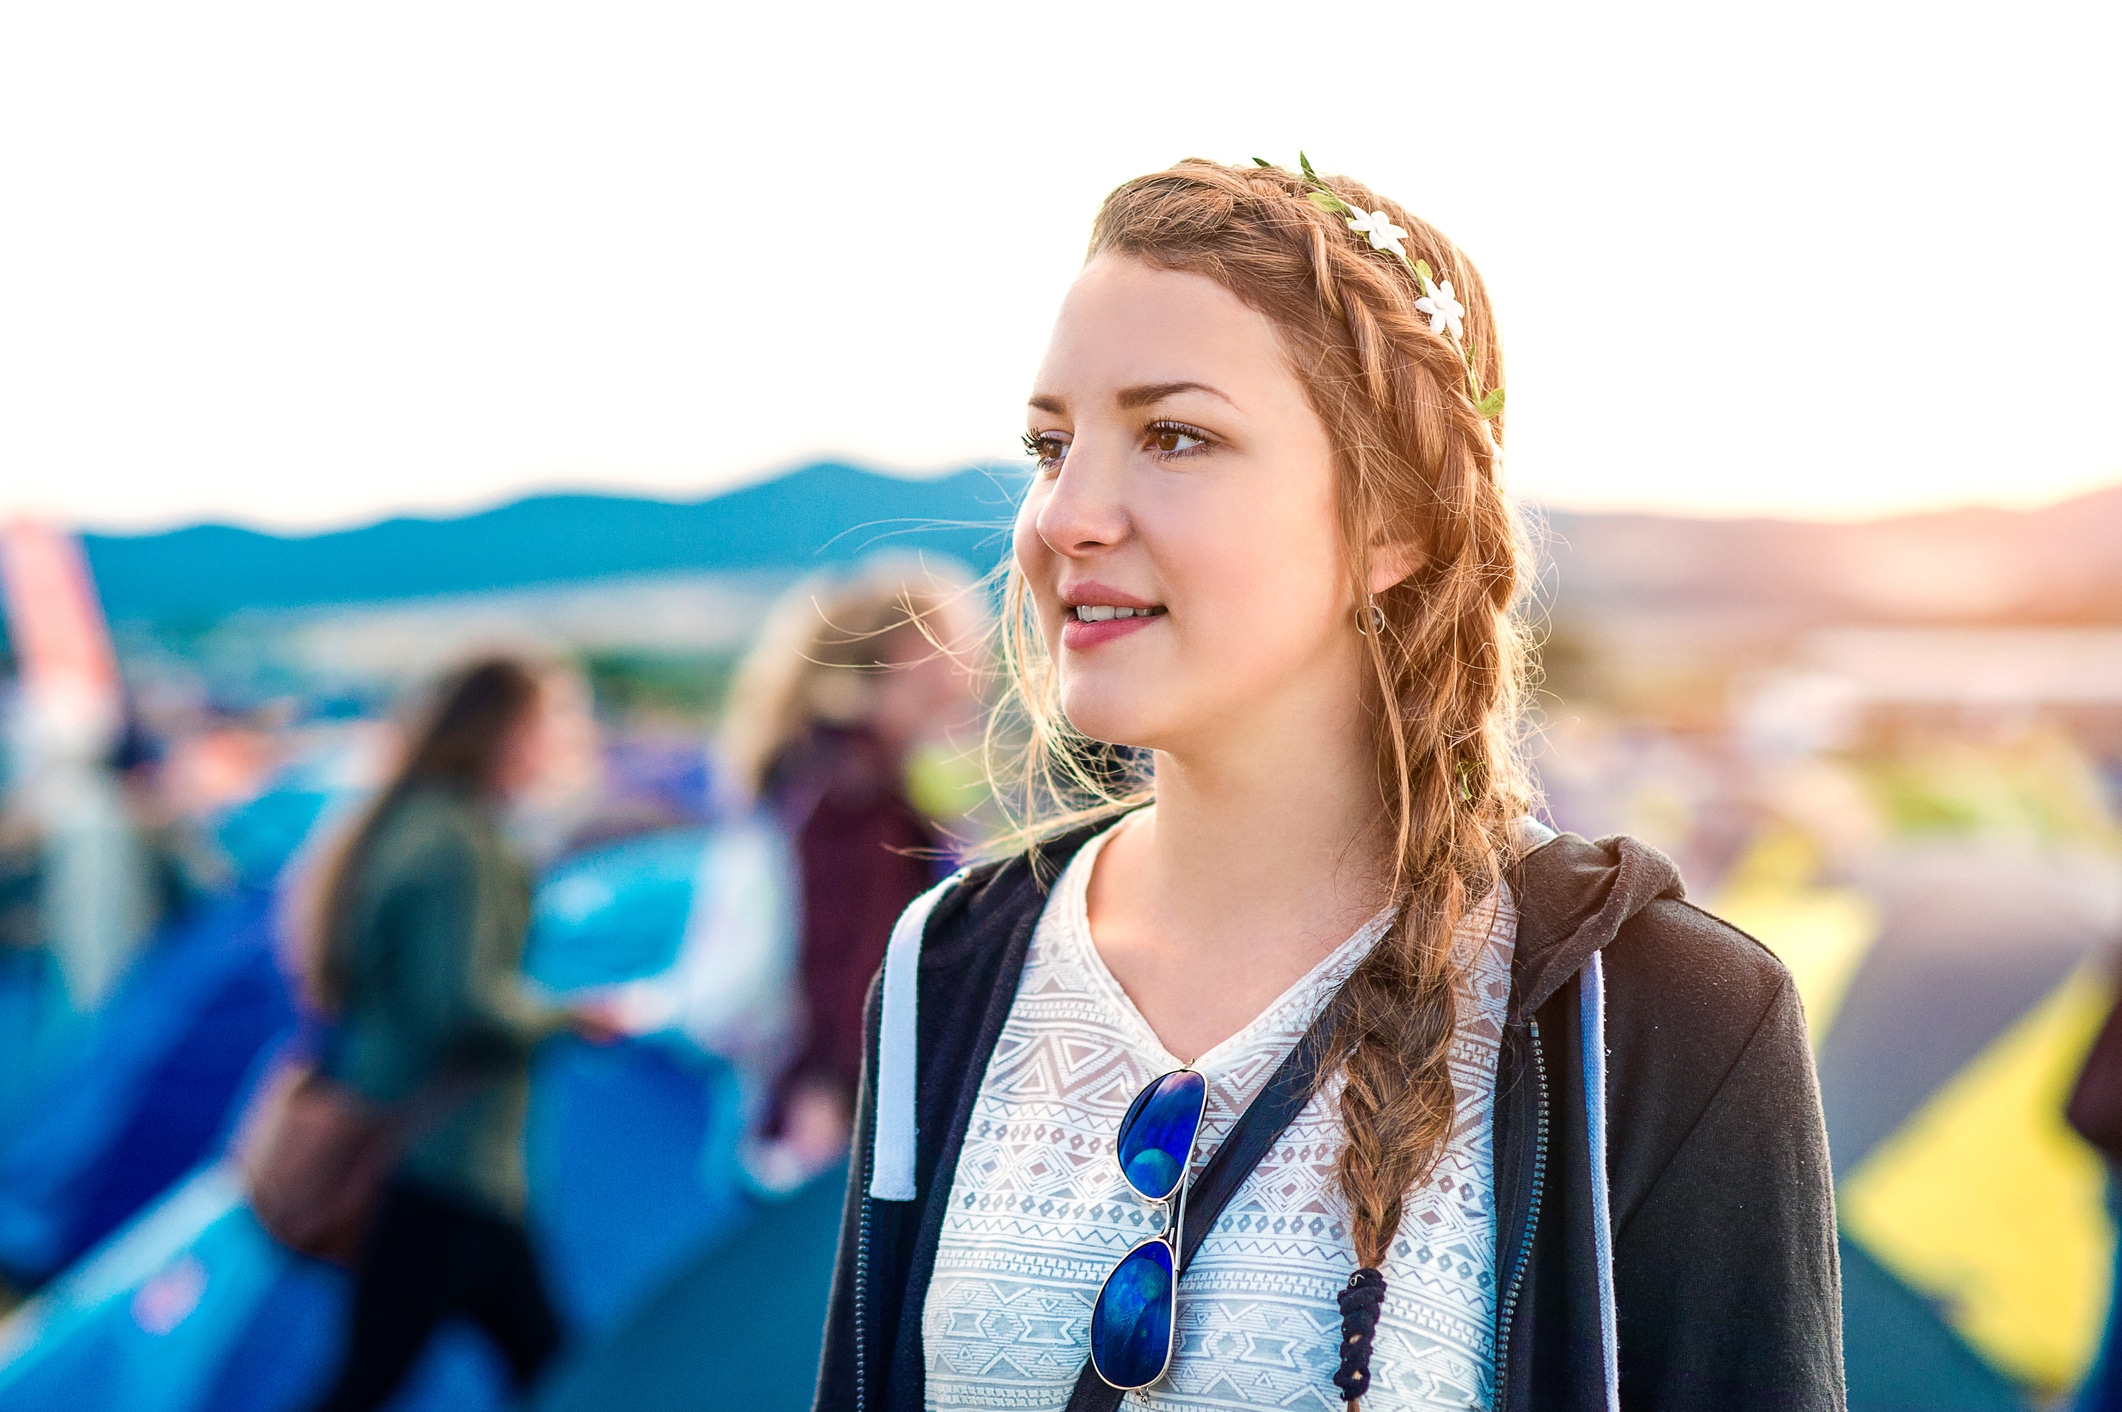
<point>865,852</point>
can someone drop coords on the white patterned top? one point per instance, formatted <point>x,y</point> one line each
<point>1039,1212</point>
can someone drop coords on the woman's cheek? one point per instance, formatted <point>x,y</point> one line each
<point>1024,541</point>
<point>1256,605</point>
<point>1035,562</point>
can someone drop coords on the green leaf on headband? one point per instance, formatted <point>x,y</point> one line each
<point>1327,201</point>
<point>1262,162</point>
<point>1422,269</point>
<point>1306,163</point>
<point>1491,405</point>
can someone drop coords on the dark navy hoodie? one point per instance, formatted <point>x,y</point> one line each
<point>1665,1216</point>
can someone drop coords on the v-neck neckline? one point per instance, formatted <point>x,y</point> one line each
<point>1312,989</point>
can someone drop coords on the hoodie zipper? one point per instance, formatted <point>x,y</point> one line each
<point>862,1295</point>
<point>1532,1221</point>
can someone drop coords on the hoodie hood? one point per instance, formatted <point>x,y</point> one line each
<point>1573,897</point>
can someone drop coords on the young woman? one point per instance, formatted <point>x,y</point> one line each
<point>1493,1119</point>
<point>416,949</point>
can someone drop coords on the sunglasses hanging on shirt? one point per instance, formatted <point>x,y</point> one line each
<point>1133,1325</point>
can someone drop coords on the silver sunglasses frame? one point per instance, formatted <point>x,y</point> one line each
<point>1171,1236</point>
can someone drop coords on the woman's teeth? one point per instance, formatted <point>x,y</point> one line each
<point>1099,612</point>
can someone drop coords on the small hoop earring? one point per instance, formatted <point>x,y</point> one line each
<point>1370,618</point>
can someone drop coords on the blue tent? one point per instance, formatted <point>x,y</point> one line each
<point>633,1166</point>
<point>740,1326</point>
<point>146,1088</point>
<point>615,913</point>
<point>149,1089</point>
<point>194,1307</point>
<point>35,1018</point>
<point>632,1147</point>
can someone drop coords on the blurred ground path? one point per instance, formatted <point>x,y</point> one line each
<point>739,1329</point>
<point>1973,936</point>
<point>1900,1358</point>
<point>1971,1215</point>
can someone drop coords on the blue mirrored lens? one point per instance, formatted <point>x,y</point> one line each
<point>1157,1135</point>
<point>1131,1325</point>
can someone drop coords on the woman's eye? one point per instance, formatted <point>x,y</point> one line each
<point>1047,449</point>
<point>1171,440</point>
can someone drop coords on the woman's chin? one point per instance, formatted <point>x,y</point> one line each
<point>1113,718</point>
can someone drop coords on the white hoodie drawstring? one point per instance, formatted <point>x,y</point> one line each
<point>1592,997</point>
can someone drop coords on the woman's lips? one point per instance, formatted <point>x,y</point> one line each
<point>1079,636</point>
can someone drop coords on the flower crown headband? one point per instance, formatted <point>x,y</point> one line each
<point>1446,313</point>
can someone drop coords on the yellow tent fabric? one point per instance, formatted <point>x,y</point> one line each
<point>1988,1203</point>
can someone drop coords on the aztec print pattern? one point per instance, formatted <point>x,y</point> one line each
<point>1039,1213</point>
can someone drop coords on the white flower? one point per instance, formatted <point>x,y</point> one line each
<point>1444,310</point>
<point>1384,235</point>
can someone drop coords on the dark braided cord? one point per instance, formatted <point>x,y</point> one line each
<point>1360,1303</point>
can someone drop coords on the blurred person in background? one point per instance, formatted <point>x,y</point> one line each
<point>418,935</point>
<point>181,865</point>
<point>846,682</point>
<point>21,867</point>
<point>24,959</point>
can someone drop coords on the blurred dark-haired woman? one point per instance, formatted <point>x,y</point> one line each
<point>416,947</point>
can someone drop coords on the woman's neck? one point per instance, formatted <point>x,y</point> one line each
<point>1258,860</point>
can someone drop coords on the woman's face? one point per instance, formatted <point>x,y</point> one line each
<point>550,753</point>
<point>1183,479</point>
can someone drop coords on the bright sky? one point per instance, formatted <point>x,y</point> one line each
<point>296,265</point>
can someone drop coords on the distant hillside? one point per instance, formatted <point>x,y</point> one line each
<point>812,518</point>
<point>1746,583</point>
<point>2059,564</point>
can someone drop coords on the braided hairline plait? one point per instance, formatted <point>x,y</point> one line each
<point>1419,462</point>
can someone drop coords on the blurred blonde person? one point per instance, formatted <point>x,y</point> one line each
<point>849,678</point>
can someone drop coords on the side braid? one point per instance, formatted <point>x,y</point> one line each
<point>1397,1100</point>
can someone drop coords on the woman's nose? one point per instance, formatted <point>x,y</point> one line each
<point>1085,511</point>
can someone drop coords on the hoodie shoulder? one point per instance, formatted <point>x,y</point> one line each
<point>1696,958</point>
<point>1624,898</point>
<point>1689,996</point>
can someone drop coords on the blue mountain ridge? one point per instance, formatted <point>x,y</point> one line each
<point>2056,564</point>
<point>822,515</point>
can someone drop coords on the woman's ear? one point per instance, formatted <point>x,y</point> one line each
<point>1394,561</point>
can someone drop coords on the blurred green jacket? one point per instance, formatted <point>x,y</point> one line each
<point>434,996</point>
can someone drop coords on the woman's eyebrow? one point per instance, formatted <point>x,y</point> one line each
<point>1141,395</point>
<point>1147,393</point>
